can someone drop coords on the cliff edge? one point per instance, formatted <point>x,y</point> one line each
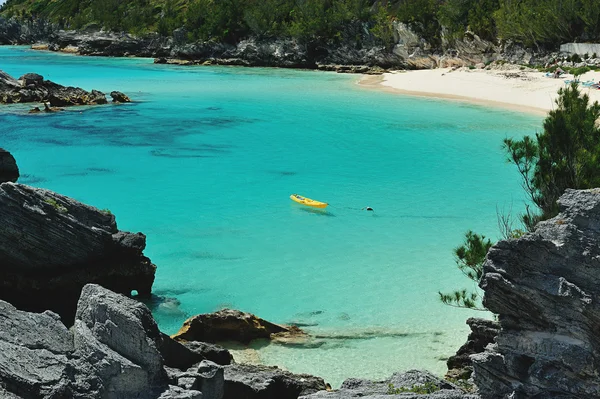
<point>544,287</point>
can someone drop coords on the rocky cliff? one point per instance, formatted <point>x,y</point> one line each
<point>355,47</point>
<point>52,245</point>
<point>544,287</point>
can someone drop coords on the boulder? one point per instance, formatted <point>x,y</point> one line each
<point>212,352</point>
<point>206,377</point>
<point>243,381</point>
<point>409,385</point>
<point>52,245</point>
<point>119,97</point>
<point>9,171</point>
<point>544,287</point>
<point>227,325</point>
<point>482,334</point>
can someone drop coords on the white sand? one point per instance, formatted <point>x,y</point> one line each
<point>512,89</point>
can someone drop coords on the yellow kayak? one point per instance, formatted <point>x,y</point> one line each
<point>308,202</point>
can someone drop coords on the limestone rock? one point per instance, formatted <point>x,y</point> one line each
<point>124,325</point>
<point>483,333</point>
<point>9,171</point>
<point>357,388</point>
<point>52,245</point>
<point>208,351</point>
<point>227,325</point>
<point>544,287</point>
<point>243,381</point>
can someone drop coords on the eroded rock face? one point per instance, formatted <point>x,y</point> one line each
<point>483,333</point>
<point>9,171</point>
<point>227,325</point>
<point>403,382</point>
<point>52,245</point>
<point>544,287</point>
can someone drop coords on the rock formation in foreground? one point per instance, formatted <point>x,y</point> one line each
<point>544,287</point>
<point>410,385</point>
<point>116,351</point>
<point>52,245</point>
<point>9,171</point>
<point>483,333</point>
<point>32,87</point>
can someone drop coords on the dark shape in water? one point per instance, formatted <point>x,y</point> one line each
<point>320,212</point>
<point>31,179</point>
<point>214,108</point>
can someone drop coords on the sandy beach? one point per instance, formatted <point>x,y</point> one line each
<point>515,89</point>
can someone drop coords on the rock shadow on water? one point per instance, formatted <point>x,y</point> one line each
<point>201,151</point>
<point>316,211</point>
<point>165,305</point>
<point>31,179</point>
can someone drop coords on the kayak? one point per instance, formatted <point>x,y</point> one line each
<point>308,202</point>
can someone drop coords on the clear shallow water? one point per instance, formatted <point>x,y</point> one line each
<point>204,162</point>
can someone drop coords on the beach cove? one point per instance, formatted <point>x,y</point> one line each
<point>205,159</point>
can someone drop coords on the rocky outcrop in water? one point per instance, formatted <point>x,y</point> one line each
<point>483,333</point>
<point>544,287</point>
<point>32,87</point>
<point>230,325</point>
<point>52,245</point>
<point>410,385</point>
<point>9,171</point>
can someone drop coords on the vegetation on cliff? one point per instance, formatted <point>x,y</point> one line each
<point>565,155</point>
<point>534,23</point>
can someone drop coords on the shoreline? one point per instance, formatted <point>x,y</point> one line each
<point>511,89</point>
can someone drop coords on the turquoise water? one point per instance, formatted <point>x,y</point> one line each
<point>205,160</point>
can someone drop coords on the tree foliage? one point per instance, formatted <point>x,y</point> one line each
<point>566,154</point>
<point>469,259</point>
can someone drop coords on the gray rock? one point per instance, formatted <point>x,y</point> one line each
<point>544,288</point>
<point>9,171</point>
<point>483,333</point>
<point>357,388</point>
<point>206,377</point>
<point>262,382</point>
<point>124,325</point>
<point>34,350</point>
<point>175,392</point>
<point>208,351</point>
<point>52,245</point>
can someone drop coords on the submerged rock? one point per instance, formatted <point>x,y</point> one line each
<point>9,171</point>
<point>230,325</point>
<point>544,287</point>
<point>52,245</point>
